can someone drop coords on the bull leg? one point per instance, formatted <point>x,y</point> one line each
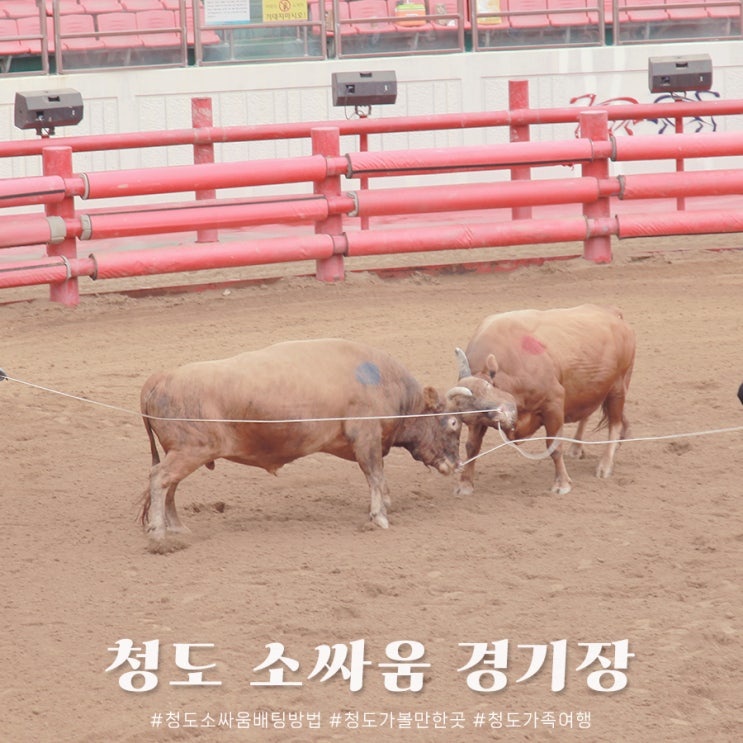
<point>618,427</point>
<point>162,515</point>
<point>553,426</point>
<point>172,520</point>
<point>378,490</point>
<point>475,435</point>
<point>367,445</point>
<point>576,450</point>
<point>155,525</point>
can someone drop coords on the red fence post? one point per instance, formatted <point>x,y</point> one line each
<point>327,141</point>
<point>58,161</point>
<point>201,116</point>
<point>594,125</point>
<point>518,97</point>
<point>364,181</point>
<point>680,201</point>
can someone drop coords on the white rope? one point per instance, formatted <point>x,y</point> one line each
<point>556,439</point>
<point>245,420</point>
<point>506,442</point>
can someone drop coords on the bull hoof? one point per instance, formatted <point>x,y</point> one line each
<point>156,534</point>
<point>380,520</point>
<point>464,488</point>
<point>178,529</point>
<point>558,489</point>
<point>603,471</point>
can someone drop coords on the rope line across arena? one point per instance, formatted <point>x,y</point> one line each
<point>506,442</point>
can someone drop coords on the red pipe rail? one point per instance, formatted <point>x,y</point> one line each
<point>327,206</point>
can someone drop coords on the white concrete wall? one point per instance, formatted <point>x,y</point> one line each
<point>145,100</point>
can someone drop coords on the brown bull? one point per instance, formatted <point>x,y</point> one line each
<point>558,366</point>
<point>357,392</point>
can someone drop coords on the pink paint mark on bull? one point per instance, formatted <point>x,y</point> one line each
<point>531,345</point>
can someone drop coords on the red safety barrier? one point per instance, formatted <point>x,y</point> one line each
<point>328,207</point>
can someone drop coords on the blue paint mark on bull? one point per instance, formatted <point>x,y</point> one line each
<point>368,373</point>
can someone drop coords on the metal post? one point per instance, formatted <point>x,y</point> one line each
<point>327,141</point>
<point>58,161</point>
<point>594,125</point>
<point>201,116</point>
<point>680,201</point>
<point>518,98</point>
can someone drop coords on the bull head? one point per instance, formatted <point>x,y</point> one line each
<point>497,406</point>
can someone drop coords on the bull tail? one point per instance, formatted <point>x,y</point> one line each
<point>153,445</point>
<point>145,498</point>
<point>144,509</point>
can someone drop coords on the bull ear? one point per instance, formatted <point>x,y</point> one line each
<point>492,365</point>
<point>431,399</point>
<point>464,364</point>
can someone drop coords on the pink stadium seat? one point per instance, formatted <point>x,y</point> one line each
<point>724,11</point>
<point>9,27</point>
<point>29,26</point>
<point>95,7</point>
<point>537,17</point>
<point>368,11</point>
<point>691,10</point>
<point>66,7</point>
<point>136,5</point>
<point>125,26</point>
<point>639,14</point>
<point>80,23</point>
<point>573,13</point>
<point>19,8</point>
<point>151,20</point>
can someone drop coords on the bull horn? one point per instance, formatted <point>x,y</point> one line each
<point>459,391</point>
<point>464,365</point>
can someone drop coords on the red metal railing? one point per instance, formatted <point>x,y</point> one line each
<point>328,207</point>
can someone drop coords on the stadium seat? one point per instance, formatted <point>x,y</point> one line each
<point>66,7</point>
<point>19,8</point>
<point>95,7</point>
<point>643,11</point>
<point>79,23</point>
<point>537,17</point>
<point>11,47</point>
<point>368,13</point>
<point>152,20</point>
<point>570,13</point>
<point>689,10</point>
<point>137,5</point>
<point>29,26</point>
<point>124,25</point>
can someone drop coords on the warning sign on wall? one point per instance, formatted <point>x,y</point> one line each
<point>284,10</point>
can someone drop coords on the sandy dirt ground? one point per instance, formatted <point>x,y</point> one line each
<point>651,556</point>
